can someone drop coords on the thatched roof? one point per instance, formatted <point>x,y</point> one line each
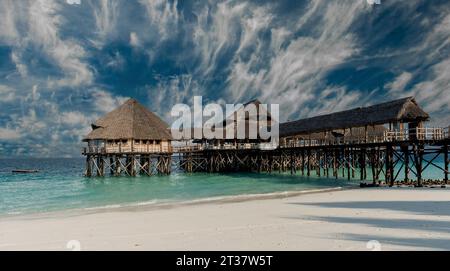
<point>250,120</point>
<point>247,116</point>
<point>130,121</point>
<point>402,110</point>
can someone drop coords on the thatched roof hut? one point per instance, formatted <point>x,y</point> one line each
<point>404,110</point>
<point>129,121</point>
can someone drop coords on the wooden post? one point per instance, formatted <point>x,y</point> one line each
<point>406,165</point>
<point>348,164</point>
<point>352,154</point>
<point>308,165</point>
<point>373,165</point>
<point>319,162</point>
<point>101,165</point>
<point>303,162</point>
<point>292,163</point>
<point>88,166</point>
<point>391,166</point>
<point>335,173</point>
<point>361,164</point>
<point>116,166</point>
<point>389,173</point>
<point>419,165</point>
<point>446,163</point>
<point>133,166</point>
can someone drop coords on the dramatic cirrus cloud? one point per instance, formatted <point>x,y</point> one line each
<point>66,63</point>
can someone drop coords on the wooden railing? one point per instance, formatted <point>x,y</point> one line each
<point>386,136</point>
<point>126,149</point>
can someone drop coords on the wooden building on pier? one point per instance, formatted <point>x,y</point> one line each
<point>242,128</point>
<point>379,141</point>
<point>360,125</point>
<point>128,140</point>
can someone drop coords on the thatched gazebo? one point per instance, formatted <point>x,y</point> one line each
<point>251,117</point>
<point>131,128</point>
<point>130,140</point>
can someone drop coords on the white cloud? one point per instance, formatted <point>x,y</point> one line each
<point>42,21</point>
<point>7,94</point>
<point>8,22</point>
<point>73,2</point>
<point>171,91</point>
<point>106,18</point>
<point>134,39</point>
<point>9,134</point>
<point>74,118</point>
<point>214,37</point>
<point>22,68</point>
<point>104,102</point>
<point>432,65</point>
<point>399,84</point>
<point>295,73</point>
<point>434,93</point>
<point>117,61</point>
<point>163,15</point>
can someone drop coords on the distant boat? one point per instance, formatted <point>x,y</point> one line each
<point>25,171</point>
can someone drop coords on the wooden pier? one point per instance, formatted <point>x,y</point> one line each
<point>378,143</point>
<point>375,161</point>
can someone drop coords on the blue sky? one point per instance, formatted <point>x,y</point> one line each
<point>64,65</point>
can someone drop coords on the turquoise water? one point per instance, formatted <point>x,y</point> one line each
<point>60,185</point>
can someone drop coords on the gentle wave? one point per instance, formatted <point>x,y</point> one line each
<point>219,199</point>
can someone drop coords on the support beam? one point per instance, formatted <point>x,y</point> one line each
<point>406,162</point>
<point>446,162</point>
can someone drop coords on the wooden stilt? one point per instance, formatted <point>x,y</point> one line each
<point>88,166</point>
<point>446,162</point>
<point>132,166</point>
<point>335,173</point>
<point>348,164</point>
<point>406,163</point>
<point>303,162</point>
<point>308,165</point>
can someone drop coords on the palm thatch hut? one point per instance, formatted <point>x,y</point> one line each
<point>131,128</point>
<point>362,123</point>
<point>246,123</point>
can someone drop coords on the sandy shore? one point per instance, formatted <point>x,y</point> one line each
<point>397,218</point>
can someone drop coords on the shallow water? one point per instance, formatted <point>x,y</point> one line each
<point>60,185</point>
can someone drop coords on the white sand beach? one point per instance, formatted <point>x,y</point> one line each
<point>397,218</point>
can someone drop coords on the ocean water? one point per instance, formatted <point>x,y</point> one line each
<point>59,185</point>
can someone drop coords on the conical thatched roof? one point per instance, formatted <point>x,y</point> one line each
<point>130,121</point>
<point>402,110</point>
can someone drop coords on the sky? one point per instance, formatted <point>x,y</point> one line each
<point>65,63</point>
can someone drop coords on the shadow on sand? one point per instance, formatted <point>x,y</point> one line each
<point>439,228</point>
<point>440,208</point>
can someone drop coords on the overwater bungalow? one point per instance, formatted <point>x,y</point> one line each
<point>131,133</point>
<point>251,118</point>
<point>401,119</point>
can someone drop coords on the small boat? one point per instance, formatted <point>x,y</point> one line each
<point>25,171</point>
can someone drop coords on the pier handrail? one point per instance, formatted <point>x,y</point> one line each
<point>425,133</point>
